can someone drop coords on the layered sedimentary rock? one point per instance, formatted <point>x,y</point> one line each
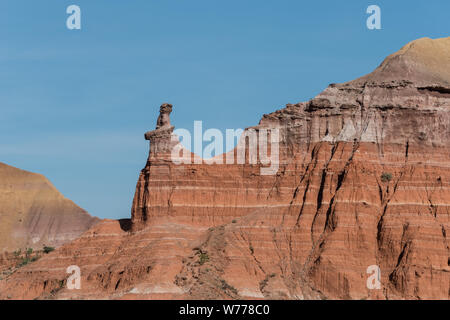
<point>363,180</point>
<point>33,213</point>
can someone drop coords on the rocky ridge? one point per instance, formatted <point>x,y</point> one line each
<point>33,213</point>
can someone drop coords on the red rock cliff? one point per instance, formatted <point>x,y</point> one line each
<point>363,179</point>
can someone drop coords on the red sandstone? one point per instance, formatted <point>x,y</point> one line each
<point>364,179</point>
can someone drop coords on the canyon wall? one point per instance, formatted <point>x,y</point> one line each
<point>363,179</point>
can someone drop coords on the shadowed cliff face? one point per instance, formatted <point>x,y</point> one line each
<point>34,213</point>
<point>363,180</point>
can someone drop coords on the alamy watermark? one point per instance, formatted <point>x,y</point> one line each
<point>374,280</point>
<point>74,280</point>
<point>374,20</point>
<point>255,146</point>
<point>74,20</point>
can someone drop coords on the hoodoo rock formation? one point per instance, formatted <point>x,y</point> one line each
<point>363,180</point>
<point>33,213</point>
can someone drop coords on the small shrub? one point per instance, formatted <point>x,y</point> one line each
<point>24,262</point>
<point>27,259</point>
<point>233,221</point>
<point>48,249</point>
<point>17,253</point>
<point>29,252</point>
<point>203,258</point>
<point>386,176</point>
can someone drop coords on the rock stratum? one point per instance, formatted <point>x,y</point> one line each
<point>363,179</point>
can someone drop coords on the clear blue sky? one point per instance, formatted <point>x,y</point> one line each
<point>74,105</point>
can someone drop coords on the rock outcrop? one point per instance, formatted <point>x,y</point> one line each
<point>33,213</point>
<point>363,180</point>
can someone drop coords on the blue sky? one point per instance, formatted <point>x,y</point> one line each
<point>74,104</point>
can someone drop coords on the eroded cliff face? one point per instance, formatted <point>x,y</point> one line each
<point>33,213</point>
<point>363,180</point>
